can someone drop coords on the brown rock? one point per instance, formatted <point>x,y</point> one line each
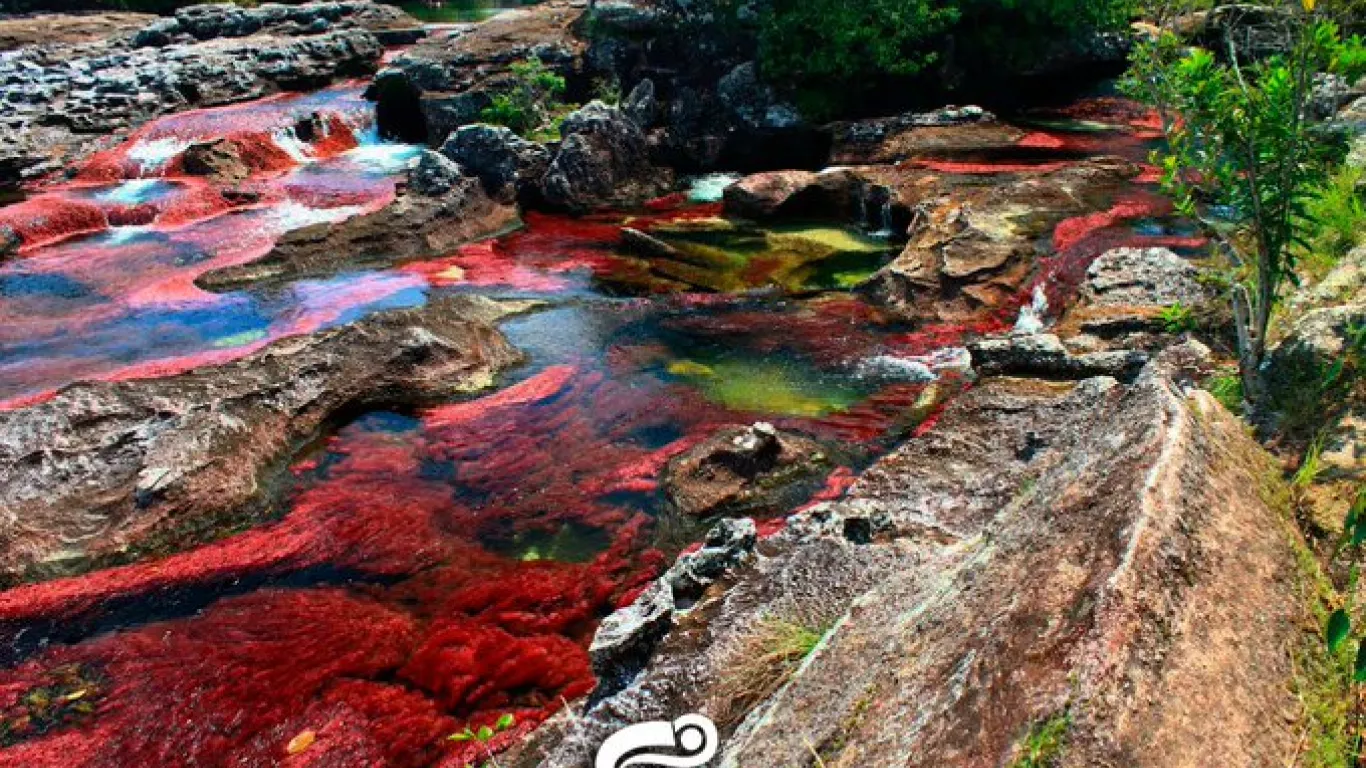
<point>740,471</point>
<point>438,212</point>
<point>103,466</point>
<point>974,246</point>
<point>66,28</point>
<point>218,160</point>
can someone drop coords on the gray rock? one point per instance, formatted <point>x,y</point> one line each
<point>506,163</point>
<point>753,102</point>
<point>1142,277</point>
<point>640,104</point>
<point>604,160</point>
<point>1044,355</point>
<point>434,175</point>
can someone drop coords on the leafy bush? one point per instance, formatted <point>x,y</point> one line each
<point>532,103</point>
<point>832,51</point>
<point>1242,159</point>
<point>1337,217</point>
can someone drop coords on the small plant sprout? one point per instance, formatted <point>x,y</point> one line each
<point>483,735</point>
<point>1177,318</point>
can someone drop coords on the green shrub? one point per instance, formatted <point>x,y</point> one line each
<point>830,52</point>
<point>1337,218</point>
<point>533,101</point>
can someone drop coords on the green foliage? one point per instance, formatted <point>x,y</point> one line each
<point>1177,318</point>
<point>1349,59</point>
<point>1337,217</point>
<point>532,102</point>
<point>483,736</point>
<point>1228,390</point>
<point>1242,158</point>
<point>1043,745</point>
<point>830,52</point>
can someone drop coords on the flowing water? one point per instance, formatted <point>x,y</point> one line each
<point>425,568</point>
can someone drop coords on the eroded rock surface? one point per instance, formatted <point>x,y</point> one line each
<point>440,210</point>
<point>742,470</point>
<point>973,246</point>
<point>1093,554</point>
<point>602,161</point>
<point>104,467</point>
<point>61,99</point>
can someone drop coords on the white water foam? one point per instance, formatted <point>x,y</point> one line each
<point>293,215</point>
<point>153,155</point>
<point>289,141</point>
<point>1031,320</point>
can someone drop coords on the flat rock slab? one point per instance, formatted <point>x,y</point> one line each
<point>102,467</point>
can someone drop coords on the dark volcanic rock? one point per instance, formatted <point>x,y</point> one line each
<point>509,165</point>
<point>603,161</point>
<point>440,210</point>
<point>1048,549</point>
<point>101,467</point>
<point>741,471</point>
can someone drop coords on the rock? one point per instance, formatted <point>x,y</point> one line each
<point>973,247</point>
<point>626,639</point>
<point>218,160</point>
<point>943,132</point>
<point>103,467</point>
<point>214,21</point>
<point>435,175</point>
<point>441,84</point>
<point>795,194</point>
<point>440,210</point>
<point>67,29</point>
<point>753,103</point>
<point>603,161</point>
<point>1051,549</point>
<point>61,102</point>
<point>1125,293</point>
<point>640,105</point>
<point>509,166</point>
<point>1255,32</point>
<point>1142,277</point>
<point>1044,355</point>
<point>1296,367</point>
<point>741,471</point>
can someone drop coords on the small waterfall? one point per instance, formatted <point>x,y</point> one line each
<point>875,211</point>
<point>152,155</point>
<point>288,141</point>
<point>1032,315</point>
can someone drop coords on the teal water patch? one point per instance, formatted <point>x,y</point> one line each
<point>710,188</point>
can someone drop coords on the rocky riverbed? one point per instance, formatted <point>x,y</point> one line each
<point>332,426</point>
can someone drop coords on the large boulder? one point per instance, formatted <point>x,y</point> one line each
<point>1066,556</point>
<point>509,166</point>
<point>105,467</point>
<point>744,470</point>
<point>1126,292</point>
<point>604,160</point>
<point>440,209</point>
<point>974,247</point>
